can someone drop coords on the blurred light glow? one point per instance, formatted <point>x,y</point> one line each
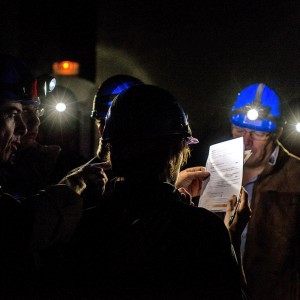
<point>252,114</point>
<point>61,107</point>
<point>298,127</point>
<point>66,68</point>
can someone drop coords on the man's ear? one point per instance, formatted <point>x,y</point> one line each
<point>100,126</point>
<point>101,129</point>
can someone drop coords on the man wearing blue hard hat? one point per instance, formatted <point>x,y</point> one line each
<point>270,244</point>
<point>106,92</point>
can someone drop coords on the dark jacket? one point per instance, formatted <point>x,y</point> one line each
<point>37,167</point>
<point>29,170</point>
<point>28,227</point>
<point>153,246</point>
<point>272,250</point>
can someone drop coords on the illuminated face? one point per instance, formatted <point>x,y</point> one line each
<point>260,143</point>
<point>100,126</point>
<point>12,127</point>
<point>31,114</point>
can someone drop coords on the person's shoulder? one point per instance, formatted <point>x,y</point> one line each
<point>285,152</point>
<point>202,219</point>
<point>8,201</point>
<point>293,160</point>
<point>288,168</point>
<point>287,161</point>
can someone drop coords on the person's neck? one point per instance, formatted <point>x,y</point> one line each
<point>250,173</point>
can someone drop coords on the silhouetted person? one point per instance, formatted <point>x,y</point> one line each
<point>106,92</point>
<point>144,240</point>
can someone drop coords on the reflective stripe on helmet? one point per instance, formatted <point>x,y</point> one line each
<point>108,90</point>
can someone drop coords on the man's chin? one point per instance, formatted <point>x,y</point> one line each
<point>250,161</point>
<point>251,164</point>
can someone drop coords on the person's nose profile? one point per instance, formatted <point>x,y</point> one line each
<point>247,140</point>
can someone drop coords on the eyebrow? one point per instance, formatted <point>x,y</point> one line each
<point>7,109</point>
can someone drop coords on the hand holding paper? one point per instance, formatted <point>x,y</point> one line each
<point>225,165</point>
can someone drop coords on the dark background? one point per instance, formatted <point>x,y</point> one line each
<point>203,52</point>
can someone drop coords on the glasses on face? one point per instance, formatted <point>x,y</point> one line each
<point>255,135</point>
<point>30,110</point>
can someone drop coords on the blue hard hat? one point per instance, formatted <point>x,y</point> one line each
<point>108,90</point>
<point>16,81</point>
<point>261,100</point>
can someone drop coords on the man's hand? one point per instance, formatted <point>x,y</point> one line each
<point>239,222</point>
<point>185,196</point>
<point>191,180</point>
<point>90,176</point>
<point>242,215</point>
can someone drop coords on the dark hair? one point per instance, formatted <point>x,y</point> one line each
<point>147,158</point>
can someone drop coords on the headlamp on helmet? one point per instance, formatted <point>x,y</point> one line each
<point>257,108</point>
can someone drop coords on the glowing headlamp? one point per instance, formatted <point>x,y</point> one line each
<point>255,117</point>
<point>257,111</point>
<point>60,107</point>
<point>252,114</point>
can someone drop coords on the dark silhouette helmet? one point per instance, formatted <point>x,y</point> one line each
<point>144,112</point>
<point>16,81</point>
<point>108,90</point>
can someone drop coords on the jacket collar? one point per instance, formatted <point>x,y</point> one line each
<point>279,156</point>
<point>274,155</point>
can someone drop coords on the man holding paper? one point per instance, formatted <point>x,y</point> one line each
<point>270,243</point>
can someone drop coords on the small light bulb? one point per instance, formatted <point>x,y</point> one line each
<point>60,107</point>
<point>298,127</point>
<point>252,114</point>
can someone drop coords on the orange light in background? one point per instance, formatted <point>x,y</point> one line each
<point>66,68</point>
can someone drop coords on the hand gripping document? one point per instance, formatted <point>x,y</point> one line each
<point>225,164</point>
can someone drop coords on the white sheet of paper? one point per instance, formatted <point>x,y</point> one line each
<point>225,165</point>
